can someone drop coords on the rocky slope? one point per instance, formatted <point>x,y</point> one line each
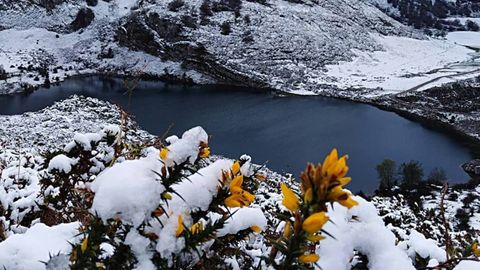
<point>279,44</point>
<point>454,106</point>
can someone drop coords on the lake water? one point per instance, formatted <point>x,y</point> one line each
<point>287,132</point>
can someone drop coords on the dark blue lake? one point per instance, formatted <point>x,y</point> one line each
<point>287,132</point>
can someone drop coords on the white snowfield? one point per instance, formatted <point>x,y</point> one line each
<point>130,191</point>
<point>406,64</point>
<point>465,38</point>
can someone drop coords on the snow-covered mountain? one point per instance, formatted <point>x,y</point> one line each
<point>316,47</point>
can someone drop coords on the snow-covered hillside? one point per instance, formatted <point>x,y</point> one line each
<point>38,224</point>
<point>295,46</point>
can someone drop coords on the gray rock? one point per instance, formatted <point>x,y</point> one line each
<point>472,167</point>
<point>84,18</point>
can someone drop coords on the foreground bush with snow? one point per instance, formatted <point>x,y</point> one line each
<point>105,203</point>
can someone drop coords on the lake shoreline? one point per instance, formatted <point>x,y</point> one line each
<point>301,126</point>
<point>386,103</point>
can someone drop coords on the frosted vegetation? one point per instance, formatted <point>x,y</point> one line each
<point>108,201</point>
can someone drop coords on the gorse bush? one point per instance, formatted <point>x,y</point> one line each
<point>174,207</point>
<point>320,185</point>
<point>169,204</point>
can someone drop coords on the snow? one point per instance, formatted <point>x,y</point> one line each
<point>465,38</point>
<point>86,140</point>
<point>467,265</point>
<point>368,235</point>
<point>475,221</point>
<point>313,47</point>
<point>186,148</point>
<point>57,124</point>
<point>403,64</point>
<point>27,251</point>
<point>242,219</point>
<point>128,190</point>
<point>61,163</point>
<point>139,246</point>
<point>463,20</point>
<point>425,248</point>
<point>197,193</point>
<point>35,37</point>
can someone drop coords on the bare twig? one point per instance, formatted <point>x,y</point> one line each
<point>448,240</point>
<point>448,264</point>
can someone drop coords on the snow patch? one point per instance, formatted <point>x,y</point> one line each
<point>128,190</point>
<point>61,163</point>
<point>27,251</point>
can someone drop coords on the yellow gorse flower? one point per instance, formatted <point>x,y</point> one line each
<point>166,196</point>
<point>309,258</point>
<point>164,153</point>
<point>320,185</point>
<point>180,226</point>
<point>315,222</point>
<point>342,197</point>
<point>256,229</point>
<point>235,168</point>
<point>315,238</point>
<point>84,245</point>
<point>475,249</point>
<point>204,152</point>
<point>287,230</point>
<point>239,197</point>
<point>196,228</point>
<point>308,196</point>
<point>327,180</point>
<point>290,199</point>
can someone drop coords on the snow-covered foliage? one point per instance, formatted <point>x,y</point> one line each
<point>91,202</point>
<point>58,124</point>
<point>29,250</point>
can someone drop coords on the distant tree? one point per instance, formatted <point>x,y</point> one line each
<point>3,73</point>
<point>386,174</point>
<point>189,21</point>
<point>247,37</point>
<point>237,14</point>
<point>440,9</point>
<point>472,26</point>
<point>226,28</point>
<point>437,176</point>
<point>206,9</point>
<point>246,19</point>
<point>411,174</point>
<point>175,5</point>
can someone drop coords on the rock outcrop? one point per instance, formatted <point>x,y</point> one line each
<point>84,18</point>
<point>472,168</point>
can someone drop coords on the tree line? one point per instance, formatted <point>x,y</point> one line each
<point>408,176</point>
